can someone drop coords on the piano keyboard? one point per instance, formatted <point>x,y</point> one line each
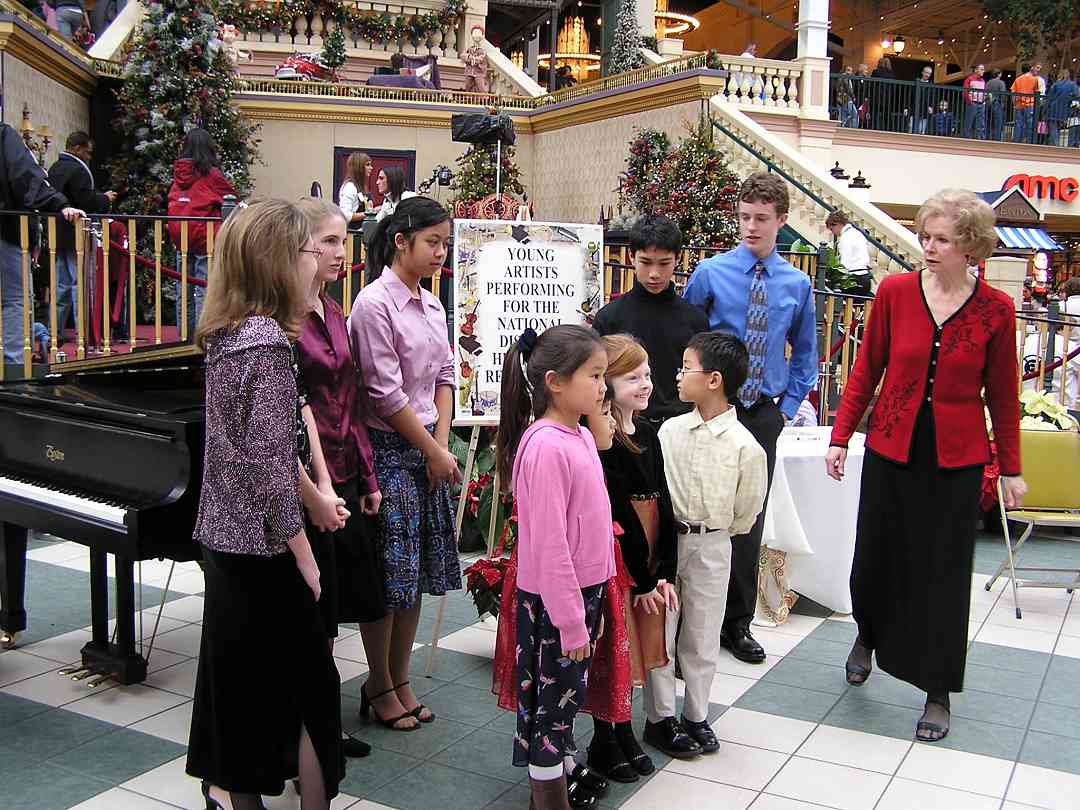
<point>79,505</point>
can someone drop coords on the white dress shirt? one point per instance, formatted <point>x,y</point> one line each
<point>387,208</point>
<point>350,200</point>
<point>853,248</point>
<point>715,471</point>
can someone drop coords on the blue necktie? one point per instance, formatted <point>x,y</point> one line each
<point>757,333</point>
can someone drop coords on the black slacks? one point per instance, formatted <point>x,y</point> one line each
<point>764,421</point>
<point>12,578</point>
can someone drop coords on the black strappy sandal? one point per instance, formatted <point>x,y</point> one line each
<point>925,727</point>
<point>419,708</point>
<point>366,704</point>
<point>856,673</point>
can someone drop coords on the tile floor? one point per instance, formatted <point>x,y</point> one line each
<point>796,737</point>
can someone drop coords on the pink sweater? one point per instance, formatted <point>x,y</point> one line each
<point>565,536</point>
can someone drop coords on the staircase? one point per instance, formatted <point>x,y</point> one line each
<point>751,148</point>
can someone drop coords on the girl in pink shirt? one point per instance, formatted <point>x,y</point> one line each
<point>564,540</point>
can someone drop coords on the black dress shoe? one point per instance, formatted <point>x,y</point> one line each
<point>579,795</point>
<point>703,734</point>
<point>671,738</point>
<point>608,758</point>
<point>742,645</point>
<point>354,748</point>
<point>593,781</point>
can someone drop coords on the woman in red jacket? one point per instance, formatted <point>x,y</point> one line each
<point>198,189</point>
<point>939,337</point>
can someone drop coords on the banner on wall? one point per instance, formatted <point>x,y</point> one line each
<point>508,277</point>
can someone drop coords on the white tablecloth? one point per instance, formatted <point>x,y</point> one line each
<point>812,518</point>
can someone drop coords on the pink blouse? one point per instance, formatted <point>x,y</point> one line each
<point>403,349</point>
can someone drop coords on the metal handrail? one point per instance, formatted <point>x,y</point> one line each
<point>790,178</point>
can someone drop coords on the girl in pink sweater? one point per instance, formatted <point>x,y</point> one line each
<point>564,540</point>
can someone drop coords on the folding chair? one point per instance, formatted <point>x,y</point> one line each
<point>1052,471</point>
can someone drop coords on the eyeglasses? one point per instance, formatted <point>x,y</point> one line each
<point>316,252</point>
<point>696,371</point>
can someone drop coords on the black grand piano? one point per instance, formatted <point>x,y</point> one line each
<point>107,452</point>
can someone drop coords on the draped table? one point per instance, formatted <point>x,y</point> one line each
<point>809,538</point>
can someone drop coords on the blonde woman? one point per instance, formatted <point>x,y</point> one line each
<point>352,196</point>
<point>938,337</point>
<point>258,721</point>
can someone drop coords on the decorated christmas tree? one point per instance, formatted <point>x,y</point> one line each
<point>333,52</point>
<point>626,44</point>
<point>176,78</point>
<point>691,184</point>
<point>475,176</point>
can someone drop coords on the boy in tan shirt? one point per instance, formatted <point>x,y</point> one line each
<point>716,473</point>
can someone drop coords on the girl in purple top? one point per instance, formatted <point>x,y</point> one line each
<point>398,333</point>
<point>565,540</point>
<point>248,732</point>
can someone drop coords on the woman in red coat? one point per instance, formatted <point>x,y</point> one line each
<point>940,337</point>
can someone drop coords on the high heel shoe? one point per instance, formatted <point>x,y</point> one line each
<point>211,802</point>
<point>419,708</point>
<point>366,705</point>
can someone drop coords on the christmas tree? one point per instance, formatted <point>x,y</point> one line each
<point>333,52</point>
<point>176,78</point>
<point>626,44</point>
<point>475,177</point>
<point>690,184</point>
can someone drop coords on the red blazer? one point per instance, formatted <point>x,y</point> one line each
<point>976,349</point>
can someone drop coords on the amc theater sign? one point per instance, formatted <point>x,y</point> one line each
<point>1036,186</point>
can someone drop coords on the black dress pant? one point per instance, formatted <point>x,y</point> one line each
<point>764,421</point>
<point>12,578</point>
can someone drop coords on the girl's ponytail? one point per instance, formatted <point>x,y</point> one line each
<point>515,405</point>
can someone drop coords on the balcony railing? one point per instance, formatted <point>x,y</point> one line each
<point>924,108</point>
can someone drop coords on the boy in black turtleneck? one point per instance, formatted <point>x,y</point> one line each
<point>651,311</point>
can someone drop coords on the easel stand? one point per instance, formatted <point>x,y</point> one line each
<point>470,462</point>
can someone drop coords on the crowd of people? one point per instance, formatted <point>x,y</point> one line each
<point>639,453</point>
<point>983,108</point>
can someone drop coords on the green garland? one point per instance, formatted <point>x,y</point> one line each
<point>251,15</point>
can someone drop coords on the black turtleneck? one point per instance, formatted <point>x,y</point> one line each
<point>664,323</point>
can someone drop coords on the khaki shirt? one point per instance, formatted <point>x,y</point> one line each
<point>716,471</point>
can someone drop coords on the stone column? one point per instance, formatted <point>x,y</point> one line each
<point>812,56</point>
<point>645,18</point>
<point>1007,273</point>
<point>475,14</point>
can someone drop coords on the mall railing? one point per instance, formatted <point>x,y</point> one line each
<point>147,302</point>
<point>923,108</point>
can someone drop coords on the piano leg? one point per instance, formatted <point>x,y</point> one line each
<point>119,660</point>
<point>12,582</point>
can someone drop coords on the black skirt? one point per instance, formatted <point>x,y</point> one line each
<point>359,567</point>
<point>264,668</point>
<point>914,553</point>
<point>324,549</point>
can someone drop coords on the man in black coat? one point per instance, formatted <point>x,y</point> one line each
<point>71,176</point>
<point>652,312</point>
<point>23,185</point>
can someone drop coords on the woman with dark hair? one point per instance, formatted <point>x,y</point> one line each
<point>352,196</point>
<point>391,184</point>
<point>398,334</point>
<point>198,190</point>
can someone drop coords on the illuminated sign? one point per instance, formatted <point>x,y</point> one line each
<point>1039,187</point>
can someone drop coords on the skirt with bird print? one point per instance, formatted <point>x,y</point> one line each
<point>550,686</point>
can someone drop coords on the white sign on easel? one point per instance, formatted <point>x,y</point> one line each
<point>509,277</point>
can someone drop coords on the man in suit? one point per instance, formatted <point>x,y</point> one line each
<point>71,176</point>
